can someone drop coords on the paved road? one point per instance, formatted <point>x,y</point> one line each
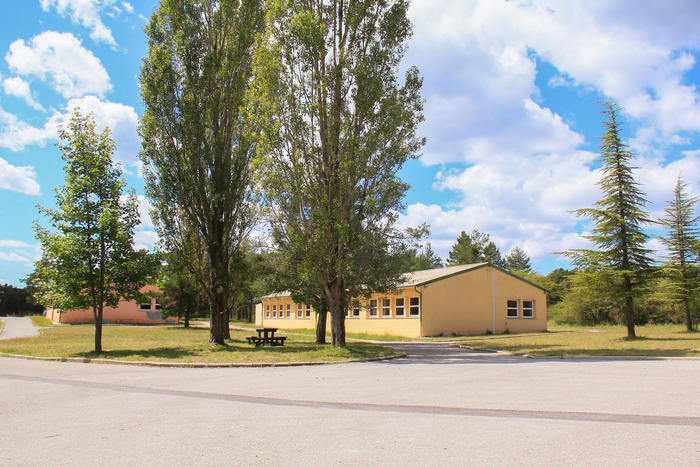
<point>441,407</point>
<point>18,327</point>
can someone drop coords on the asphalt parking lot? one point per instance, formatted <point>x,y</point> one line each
<point>441,406</point>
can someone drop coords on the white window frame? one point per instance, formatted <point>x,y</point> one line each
<point>516,308</point>
<point>386,307</point>
<point>267,311</point>
<point>143,305</point>
<point>308,311</point>
<point>300,312</point>
<point>356,310</point>
<point>289,310</point>
<point>415,307</point>
<point>531,308</point>
<point>401,307</point>
<point>373,308</point>
<point>274,311</point>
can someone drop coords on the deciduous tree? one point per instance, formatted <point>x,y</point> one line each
<point>88,257</point>
<point>335,126</point>
<point>621,264</point>
<point>195,154</point>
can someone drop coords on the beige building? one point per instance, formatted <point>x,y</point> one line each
<point>461,300</point>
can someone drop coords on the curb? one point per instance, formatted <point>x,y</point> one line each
<point>574,357</point>
<point>200,365</point>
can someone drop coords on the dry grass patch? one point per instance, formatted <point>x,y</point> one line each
<point>652,341</point>
<point>177,344</point>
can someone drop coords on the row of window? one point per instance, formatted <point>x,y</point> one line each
<point>398,310</point>
<point>527,309</point>
<point>148,306</point>
<point>302,312</point>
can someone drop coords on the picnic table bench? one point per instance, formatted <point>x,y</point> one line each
<point>266,336</point>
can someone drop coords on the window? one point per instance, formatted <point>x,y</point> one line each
<point>398,310</point>
<point>386,307</point>
<point>512,308</point>
<point>413,306</point>
<point>299,312</point>
<point>274,311</point>
<point>356,310</point>
<point>528,309</point>
<point>373,308</point>
<point>267,311</point>
<point>157,306</point>
<point>145,306</point>
<point>289,310</point>
<point>308,311</point>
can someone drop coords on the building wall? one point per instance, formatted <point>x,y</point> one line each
<point>126,312</point>
<point>463,304</point>
<point>393,324</point>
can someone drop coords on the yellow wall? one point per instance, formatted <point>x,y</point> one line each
<point>463,304</point>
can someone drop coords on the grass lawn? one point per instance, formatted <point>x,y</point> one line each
<point>2,324</point>
<point>176,344</point>
<point>39,320</point>
<point>652,341</point>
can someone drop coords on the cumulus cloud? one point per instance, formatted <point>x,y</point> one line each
<point>145,239</point>
<point>19,88</point>
<point>59,58</point>
<point>20,179</point>
<point>121,119</point>
<point>86,12</point>
<point>516,165</point>
<point>14,244</point>
<point>12,256</point>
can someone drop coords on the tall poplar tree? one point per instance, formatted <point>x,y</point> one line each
<point>681,239</point>
<point>620,265</point>
<point>335,126</point>
<point>88,258</point>
<point>195,154</point>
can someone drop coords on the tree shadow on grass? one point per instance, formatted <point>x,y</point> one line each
<point>161,353</point>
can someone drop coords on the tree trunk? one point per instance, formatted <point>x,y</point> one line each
<point>188,311</point>
<point>629,312</point>
<point>688,319</point>
<point>98,329</point>
<point>321,325</point>
<point>227,329</point>
<point>338,309</point>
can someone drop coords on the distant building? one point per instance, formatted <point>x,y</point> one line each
<point>128,312</point>
<point>463,300</point>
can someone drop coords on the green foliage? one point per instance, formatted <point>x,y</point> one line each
<point>475,248</point>
<point>88,259</point>
<point>18,302</point>
<point>421,259</point>
<point>681,240</point>
<point>195,154</point>
<point>620,265</point>
<point>181,294</point>
<point>334,126</point>
<point>518,260</point>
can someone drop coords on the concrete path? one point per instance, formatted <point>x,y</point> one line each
<point>441,407</point>
<point>18,327</point>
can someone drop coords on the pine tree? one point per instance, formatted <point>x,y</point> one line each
<point>620,265</point>
<point>518,260</point>
<point>475,248</point>
<point>680,223</point>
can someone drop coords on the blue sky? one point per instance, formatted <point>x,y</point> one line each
<point>511,119</point>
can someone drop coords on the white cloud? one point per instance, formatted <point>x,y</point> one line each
<point>144,208</point>
<point>19,88</point>
<point>145,239</point>
<point>517,166</point>
<point>86,12</point>
<point>14,244</point>
<point>72,70</point>
<point>122,120</point>
<point>12,256</point>
<point>127,6</point>
<point>21,179</point>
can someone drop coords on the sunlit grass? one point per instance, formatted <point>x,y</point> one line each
<point>41,321</point>
<point>176,344</point>
<point>651,341</point>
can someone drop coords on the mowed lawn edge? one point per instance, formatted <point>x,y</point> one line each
<point>176,344</point>
<point>597,341</point>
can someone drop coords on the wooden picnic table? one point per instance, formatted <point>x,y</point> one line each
<point>266,336</point>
